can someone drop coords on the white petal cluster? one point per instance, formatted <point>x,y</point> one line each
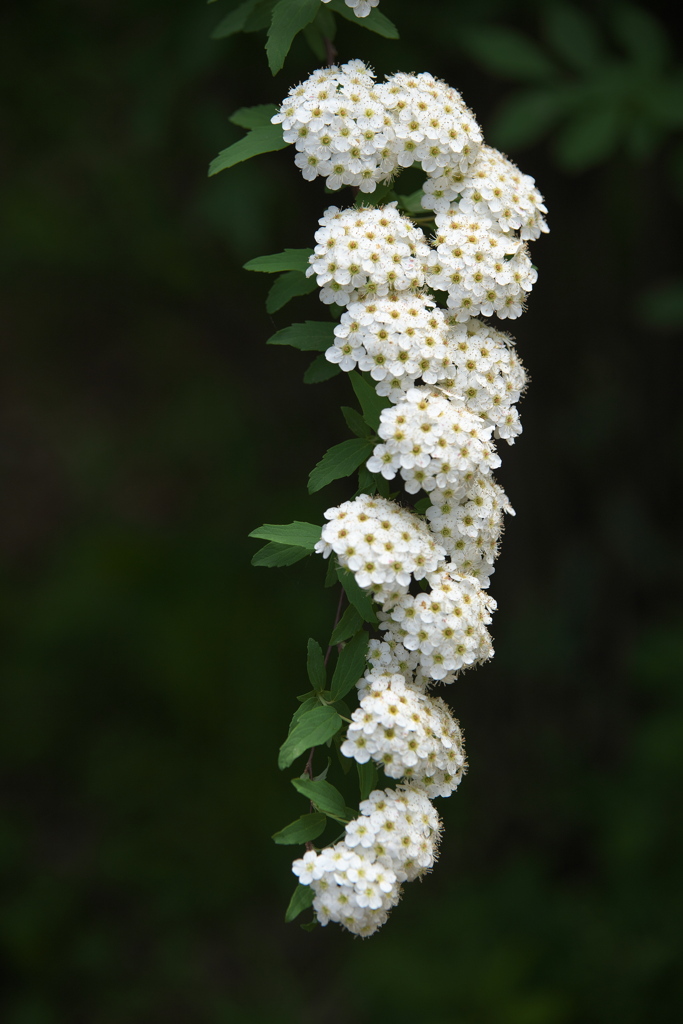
<point>470,527</point>
<point>382,544</point>
<point>412,736</point>
<point>486,374</point>
<point>431,122</point>
<point>432,442</point>
<point>340,128</point>
<point>483,269</point>
<point>446,625</point>
<point>402,337</point>
<point>357,881</point>
<point>492,187</point>
<point>454,383</point>
<point>367,252</point>
<point>361,8</point>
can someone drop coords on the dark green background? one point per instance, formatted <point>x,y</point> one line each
<point>149,671</point>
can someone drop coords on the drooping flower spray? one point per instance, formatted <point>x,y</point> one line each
<point>416,285</point>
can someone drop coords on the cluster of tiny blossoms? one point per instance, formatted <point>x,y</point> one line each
<point>361,8</point>
<point>453,382</point>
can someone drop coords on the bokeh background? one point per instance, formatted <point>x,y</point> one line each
<point>149,671</point>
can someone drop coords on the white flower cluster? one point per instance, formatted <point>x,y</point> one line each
<point>483,269</point>
<point>445,626</point>
<point>361,8</point>
<point>453,382</point>
<point>361,253</point>
<point>491,187</point>
<point>382,544</point>
<point>411,735</point>
<point>357,881</point>
<point>432,442</point>
<point>351,131</point>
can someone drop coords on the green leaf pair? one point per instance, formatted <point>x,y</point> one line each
<point>288,543</point>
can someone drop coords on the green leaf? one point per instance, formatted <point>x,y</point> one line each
<point>506,52</point>
<point>330,572</point>
<point>290,259</point>
<point>315,665</point>
<point>320,369</point>
<point>349,624</point>
<point>355,422</point>
<point>288,286</point>
<point>422,505</point>
<point>589,138</point>
<point>367,778</point>
<point>300,535</point>
<point>254,117</point>
<point>301,900</point>
<point>359,598</point>
<point>350,665</point>
<point>235,21</point>
<point>372,483</point>
<point>413,202</point>
<point>289,17</point>
<point>526,117</point>
<point>311,336</point>
<point>305,828</point>
<point>313,728</point>
<point>339,461</point>
<point>306,705</point>
<point>375,21</point>
<point>382,195</point>
<point>324,795</point>
<point>573,36</point>
<point>370,402</point>
<point>275,556</point>
<point>260,16</point>
<point>266,139</point>
<point>315,39</point>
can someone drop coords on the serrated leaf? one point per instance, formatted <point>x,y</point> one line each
<point>323,794</point>
<point>313,728</point>
<point>349,624</point>
<point>289,17</point>
<point>375,20</point>
<point>370,402</point>
<point>301,535</point>
<point>367,778</point>
<point>305,828</point>
<point>507,52</point>
<point>302,899</point>
<point>315,665</point>
<point>266,139</point>
<point>350,665</point>
<point>310,336</point>
<point>253,117</point>
<point>306,705</point>
<point>573,35</point>
<point>359,598</point>
<point>275,556</point>
<point>260,16</point>
<point>589,138</point>
<point>287,287</point>
<point>290,259</point>
<point>320,369</point>
<point>235,21</point>
<point>355,422</point>
<point>339,461</point>
<point>526,117</point>
<point>314,38</point>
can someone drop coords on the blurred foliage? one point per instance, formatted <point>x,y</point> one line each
<point>149,671</point>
